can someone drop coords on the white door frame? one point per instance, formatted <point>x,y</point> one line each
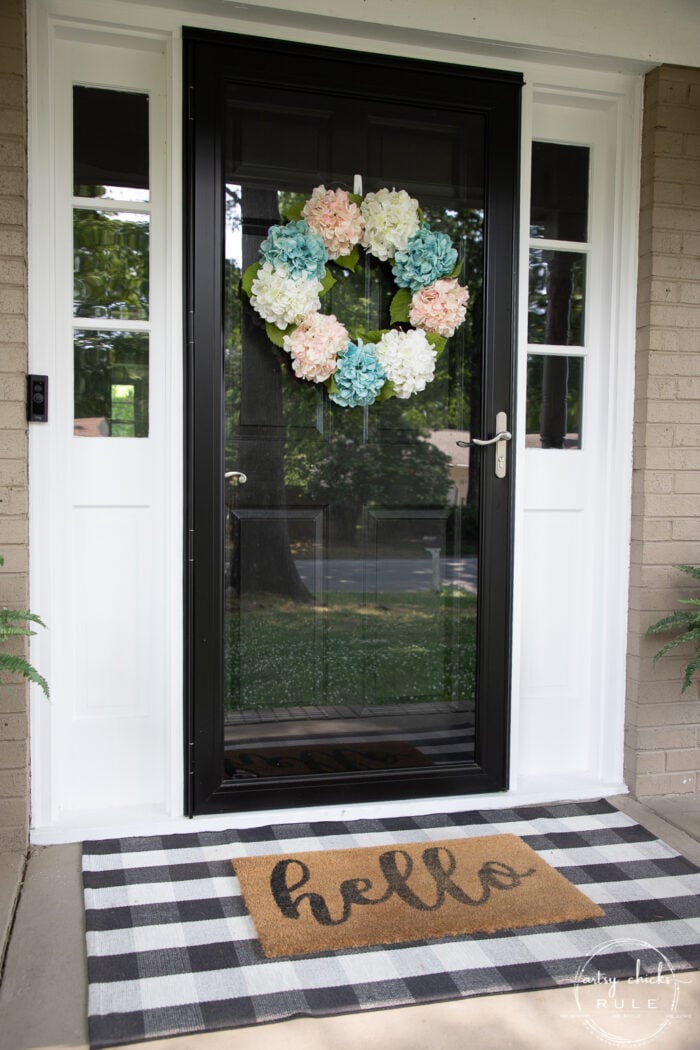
<point>567,704</point>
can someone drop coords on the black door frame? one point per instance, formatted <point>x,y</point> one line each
<point>209,59</point>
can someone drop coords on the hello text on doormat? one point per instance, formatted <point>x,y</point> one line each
<point>328,900</point>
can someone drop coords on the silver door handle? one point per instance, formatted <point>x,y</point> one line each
<point>236,477</point>
<point>502,436</point>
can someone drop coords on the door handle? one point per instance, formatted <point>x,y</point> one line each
<point>500,440</point>
<point>235,477</point>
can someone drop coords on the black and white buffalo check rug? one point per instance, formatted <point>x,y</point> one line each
<point>171,949</point>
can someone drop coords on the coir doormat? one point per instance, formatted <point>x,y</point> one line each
<point>172,949</point>
<point>329,900</point>
<point>244,763</point>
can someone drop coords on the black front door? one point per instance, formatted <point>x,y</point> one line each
<point>349,565</point>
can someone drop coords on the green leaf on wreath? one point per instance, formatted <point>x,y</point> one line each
<point>249,276</point>
<point>331,385</point>
<point>372,337</point>
<point>387,391</point>
<point>421,216</point>
<point>400,306</point>
<point>348,262</point>
<point>276,335</point>
<point>457,269</point>
<point>327,282</point>
<point>355,198</point>
<point>438,342</point>
<point>293,211</point>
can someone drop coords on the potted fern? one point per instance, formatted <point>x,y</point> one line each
<point>15,623</point>
<point>688,620</point>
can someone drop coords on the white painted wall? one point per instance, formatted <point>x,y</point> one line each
<point>107,749</point>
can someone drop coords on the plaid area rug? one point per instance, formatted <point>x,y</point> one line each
<point>171,949</point>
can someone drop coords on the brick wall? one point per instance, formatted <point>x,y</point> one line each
<point>662,738</point>
<point>13,430</point>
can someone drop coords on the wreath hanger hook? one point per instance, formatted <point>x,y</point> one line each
<point>357,185</point>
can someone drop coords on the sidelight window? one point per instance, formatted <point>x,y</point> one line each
<point>111,271</point>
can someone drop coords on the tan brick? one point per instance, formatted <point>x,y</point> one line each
<point>12,387</point>
<point>14,241</point>
<point>689,293</point>
<point>645,761</point>
<point>12,587</point>
<point>691,144</point>
<point>688,481</point>
<point>13,530</point>
<point>13,783</point>
<point>13,754</point>
<point>13,812</point>
<point>13,726</point>
<point>12,89</point>
<point>673,169</point>
<point>672,713</point>
<point>13,838</point>
<point>673,458</point>
<point>665,242</point>
<point>664,364</point>
<point>13,152</point>
<point>665,784</point>
<point>12,270</point>
<point>661,339</point>
<point>13,698</point>
<point>13,415</point>
<point>686,529</point>
<point>12,211</point>
<point>679,315</point>
<point>691,196</point>
<point>684,760</point>
<point>15,556</point>
<point>11,31</point>
<point>656,738</point>
<point>13,359</point>
<point>12,184</point>
<point>688,345</point>
<point>13,445</point>
<point>664,218</point>
<point>687,435</point>
<point>670,507</point>
<point>668,143</point>
<point>676,118</point>
<point>13,500</point>
<point>672,411</point>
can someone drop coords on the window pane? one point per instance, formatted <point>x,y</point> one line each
<point>559,198</point>
<point>110,264</point>
<point>554,401</point>
<point>110,144</point>
<point>556,302</point>
<point>111,384</point>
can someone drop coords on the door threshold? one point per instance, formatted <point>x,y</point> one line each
<point>91,825</point>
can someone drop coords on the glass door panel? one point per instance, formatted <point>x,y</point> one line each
<point>355,649</point>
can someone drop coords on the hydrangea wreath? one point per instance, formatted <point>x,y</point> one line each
<point>285,288</point>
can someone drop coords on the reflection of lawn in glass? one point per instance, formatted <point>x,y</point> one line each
<point>409,647</point>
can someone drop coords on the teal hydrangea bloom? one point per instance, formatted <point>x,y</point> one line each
<point>359,376</point>
<point>295,250</point>
<point>428,256</point>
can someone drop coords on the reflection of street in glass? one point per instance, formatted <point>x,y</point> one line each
<point>630,1010</point>
<point>390,574</point>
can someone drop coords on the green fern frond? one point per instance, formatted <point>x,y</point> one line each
<point>692,668</point>
<point>689,620</point>
<point>692,570</point>
<point>17,665</point>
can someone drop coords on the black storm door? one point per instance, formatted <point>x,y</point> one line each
<point>349,568</point>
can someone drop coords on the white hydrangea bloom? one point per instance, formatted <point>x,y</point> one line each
<point>391,217</point>
<point>283,300</point>
<point>408,360</point>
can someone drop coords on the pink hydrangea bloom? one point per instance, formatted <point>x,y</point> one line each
<point>440,307</point>
<point>332,215</point>
<point>314,346</point>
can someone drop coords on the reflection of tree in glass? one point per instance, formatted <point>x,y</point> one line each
<point>103,360</point>
<point>110,252</point>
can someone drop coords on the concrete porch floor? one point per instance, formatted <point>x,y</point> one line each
<point>43,995</point>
